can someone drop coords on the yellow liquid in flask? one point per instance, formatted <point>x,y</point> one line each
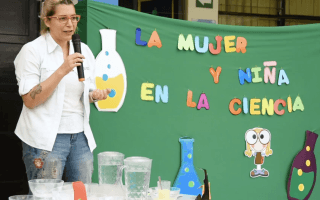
<point>116,83</point>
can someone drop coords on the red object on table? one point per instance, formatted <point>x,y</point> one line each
<point>79,191</point>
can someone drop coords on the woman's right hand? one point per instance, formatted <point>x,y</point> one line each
<point>72,61</point>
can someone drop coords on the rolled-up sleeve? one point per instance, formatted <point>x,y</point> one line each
<point>27,69</point>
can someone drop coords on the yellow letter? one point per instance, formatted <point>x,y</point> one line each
<point>229,46</point>
<point>253,107</point>
<point>145,91</point>
<point>186,44</point>
<point>267,106</point>
<point>289,102</point>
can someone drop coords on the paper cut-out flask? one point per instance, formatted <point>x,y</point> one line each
<point>303,172</point>
<point>110,73</point>
<point>187,179</point>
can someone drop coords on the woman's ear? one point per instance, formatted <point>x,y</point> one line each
<point>46,22</point>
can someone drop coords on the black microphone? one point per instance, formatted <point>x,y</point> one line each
<point>77,49</point>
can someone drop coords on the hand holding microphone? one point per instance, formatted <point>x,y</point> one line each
<point>77,49</point>
<point>72,61</point>
<point>75,60</point>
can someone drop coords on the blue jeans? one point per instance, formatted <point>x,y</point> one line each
<point>70,155</point>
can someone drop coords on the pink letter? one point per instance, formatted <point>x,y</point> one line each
<point>203,102</point>
<point>269,63</point>
<point>269,75</point>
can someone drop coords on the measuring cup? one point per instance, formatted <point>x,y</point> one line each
<point>137,177</point>
<point>109,163</point>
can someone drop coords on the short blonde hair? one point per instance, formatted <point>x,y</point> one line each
<point>248,151</point>
<point>49,9</point>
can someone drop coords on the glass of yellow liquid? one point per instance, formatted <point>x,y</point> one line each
<point>164,190</point>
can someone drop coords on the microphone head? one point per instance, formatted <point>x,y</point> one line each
<point>75,37</point>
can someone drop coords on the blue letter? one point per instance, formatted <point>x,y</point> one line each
<point>245,76</point>
<point>204,49</point>
<point>283,78</point>
<point>245,105</point>
<point>138,38</point>
<point>164,94</point>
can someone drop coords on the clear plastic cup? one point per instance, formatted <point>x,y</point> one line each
<point>164,189</point>
<point>42,188</point>
<point>165,185</point>
<point>174,193</point>
<point>153,193</point>
<point>65,193</point>
<point>96,196</point>
<point>92,188</point>
<point>94,191</point>
<point>21,197</point>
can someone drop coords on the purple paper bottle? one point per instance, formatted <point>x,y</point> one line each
<point>303,172</point>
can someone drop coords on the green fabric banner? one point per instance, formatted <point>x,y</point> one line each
<point>206,100</point>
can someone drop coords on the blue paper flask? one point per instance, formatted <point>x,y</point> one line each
<point>187,179</point>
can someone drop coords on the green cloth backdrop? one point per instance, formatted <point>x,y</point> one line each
<point>150,129</point>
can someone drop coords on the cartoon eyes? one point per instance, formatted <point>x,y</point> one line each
<point>252,137</point>
<point>264,137</point>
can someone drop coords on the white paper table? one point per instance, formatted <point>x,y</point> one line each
<point>187,197</point>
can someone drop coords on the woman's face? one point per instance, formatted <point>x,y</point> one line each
<point>61,31</point>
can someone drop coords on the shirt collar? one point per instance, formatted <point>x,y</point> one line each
<point>52,45</point>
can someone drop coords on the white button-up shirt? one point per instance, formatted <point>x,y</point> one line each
<point>37,61</point>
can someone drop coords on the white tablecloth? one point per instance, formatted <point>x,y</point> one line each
<point>187,197</point>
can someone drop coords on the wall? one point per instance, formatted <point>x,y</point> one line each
<point>248,6</point>
<point>112,2</point>
<point>302,7</point>
<point>195,13</point>
<point>266,7</point>
<point>18,25</point>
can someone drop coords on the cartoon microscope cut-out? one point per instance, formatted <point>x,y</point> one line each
<point>110,73</point>
<point>258,144</point>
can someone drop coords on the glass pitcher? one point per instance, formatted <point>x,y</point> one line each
<point>137,177</point>
<point>110,163</point>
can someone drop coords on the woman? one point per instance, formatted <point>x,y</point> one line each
<point>54,122</point>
